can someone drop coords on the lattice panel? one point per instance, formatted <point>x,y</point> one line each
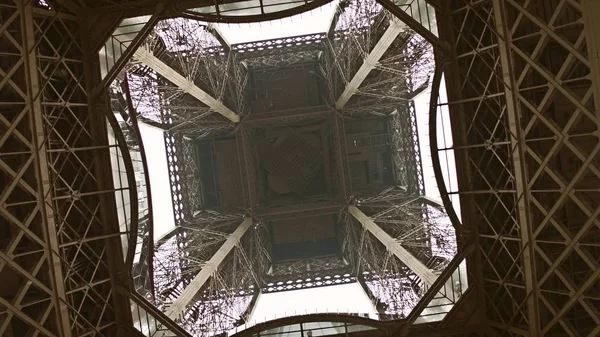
<point>55,260</point>
<point>530,122</point>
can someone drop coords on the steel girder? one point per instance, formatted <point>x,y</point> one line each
<point>522,90</point>
<point>210,265</point>
<point>63,254</point>
<point>559,233</point>
<point>396,248</point>
<point>370,61</point>
<point>405,239</point>
<point>146,57</point>
<point>176,309</point>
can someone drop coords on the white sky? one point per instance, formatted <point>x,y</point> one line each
<point>344,298</point>
<point>444,141</point>
<point>340,298</point>
<point>315,21</point>
<point>156,156</point>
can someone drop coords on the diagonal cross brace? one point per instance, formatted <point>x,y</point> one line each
<point>421,270</point>
<point>146,56</point>
<point>211,266</point>
<point>370,62</point>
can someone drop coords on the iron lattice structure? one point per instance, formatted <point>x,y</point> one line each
<point>213,68</point>
<point>522,98</point>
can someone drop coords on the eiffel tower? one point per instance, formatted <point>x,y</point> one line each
<point>299,162</point>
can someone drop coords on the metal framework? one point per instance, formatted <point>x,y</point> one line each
<point>523,80</point>
<point>521,92</point>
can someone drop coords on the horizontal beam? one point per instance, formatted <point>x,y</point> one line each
<point>211,266</point>
<point>421,270</point>
<point>146,56</point>
<point>299,210</point>
<point>283,117</point>
<point>370,62</point>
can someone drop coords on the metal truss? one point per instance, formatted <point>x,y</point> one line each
<point>208,274</point>
<point>248,167</point>
<point>308,273</point>
<point>281,59</point>
<point>175,173</point>
<point>353,34</point>
<point>523,105</point>
<point>147,58</point>
<point>398,253</point>
<point>406,151</point>
<point>522,91</point>
<point>61,246</point>
<point>338,136</point>
<point>190,177</point>
<point>182,46</point>
<point>289,45</point>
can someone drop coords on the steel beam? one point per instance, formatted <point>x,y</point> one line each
<point>412,22</point>
<point>45,187</point>
<point>333,23</point>
<point>518,153</point>
<point>389,36</point>
<point>218,34</point>
<point>127,42</point>
<point>146,56</point>
<point>441,282</point>
<point>299,210</point>
<point>421,270</point>
<point>591,13</point>
<point>247,162</point>
<point>211,266</point>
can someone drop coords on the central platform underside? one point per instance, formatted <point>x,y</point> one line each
<point>272,147</point>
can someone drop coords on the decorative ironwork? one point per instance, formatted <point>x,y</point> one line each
<point>308,273</point>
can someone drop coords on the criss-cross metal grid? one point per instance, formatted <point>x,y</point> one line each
<point>64,247</point>
<point>506,74</point>
<point>528,144</point>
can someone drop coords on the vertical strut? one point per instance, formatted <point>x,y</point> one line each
<point>39,149</point>
<point>591,13</point>
<point>517,151</point>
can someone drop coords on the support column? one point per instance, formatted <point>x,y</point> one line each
<point>421,270</point>
<point>42,172</point>
<point>518,154</point>
<point>211,266</point>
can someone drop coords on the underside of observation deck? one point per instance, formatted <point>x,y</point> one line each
<point>295,163</point>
